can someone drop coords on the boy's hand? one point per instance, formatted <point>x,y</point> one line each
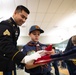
<point>50,52</point>
<point>42,52</point>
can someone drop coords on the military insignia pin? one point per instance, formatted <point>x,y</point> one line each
<point>6,32</point>
<point>37,27</point>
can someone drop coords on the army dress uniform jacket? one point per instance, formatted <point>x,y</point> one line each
<point>9,54</point>
<point>70,54</point>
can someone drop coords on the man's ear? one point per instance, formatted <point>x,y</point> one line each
<point>15,12</point>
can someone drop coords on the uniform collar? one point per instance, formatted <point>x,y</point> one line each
<point>32,43</point>
<point>11,20</point>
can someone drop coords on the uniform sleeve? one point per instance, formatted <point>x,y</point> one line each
<point>71,54</point>
<point>24,50</point>
<point>7,47</point>
<point>69,45</point>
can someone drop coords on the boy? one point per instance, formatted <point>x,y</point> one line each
<point>33,46</point>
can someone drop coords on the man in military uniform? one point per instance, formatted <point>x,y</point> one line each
<point>9,32</point>
<point>71,64</point>
<point>69,53</point>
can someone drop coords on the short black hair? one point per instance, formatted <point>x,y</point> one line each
<point>21,7</point>
<point>53,47</point>
<point>74,39</point>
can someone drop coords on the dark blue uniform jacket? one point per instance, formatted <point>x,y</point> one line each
<point>9,54</point>
<point>27,49</point>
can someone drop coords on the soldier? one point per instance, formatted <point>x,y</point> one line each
<point>9,32</point>
<point>71,64</point>
<point>70,51</point>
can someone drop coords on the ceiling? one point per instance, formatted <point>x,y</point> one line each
<point>55,17</point>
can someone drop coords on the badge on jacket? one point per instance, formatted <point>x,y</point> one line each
<point>6,32</point>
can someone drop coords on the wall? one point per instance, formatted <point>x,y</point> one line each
<point>62,45</point>
<point>25,39</point>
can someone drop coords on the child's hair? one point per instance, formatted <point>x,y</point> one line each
<point>74,39</point>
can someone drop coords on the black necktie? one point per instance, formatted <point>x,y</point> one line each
<point>37,47</point>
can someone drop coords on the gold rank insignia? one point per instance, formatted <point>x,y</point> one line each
<point>6,32</point>
<point>74,61</point>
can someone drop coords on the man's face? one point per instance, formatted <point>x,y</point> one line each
<point>20,17</point>
<point>35,35</point>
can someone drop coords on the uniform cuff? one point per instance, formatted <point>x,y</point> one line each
<point>18,58</point>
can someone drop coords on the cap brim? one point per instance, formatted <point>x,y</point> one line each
<point>41,31</point>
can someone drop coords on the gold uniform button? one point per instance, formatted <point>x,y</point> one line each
<point>13,25</point>
<point>4,55</point>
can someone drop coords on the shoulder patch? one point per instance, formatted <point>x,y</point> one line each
<point>6,32</point>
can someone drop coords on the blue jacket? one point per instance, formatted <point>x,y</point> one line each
<point>28,49</point>
<point>9,53</point>
<point>69,53</point>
